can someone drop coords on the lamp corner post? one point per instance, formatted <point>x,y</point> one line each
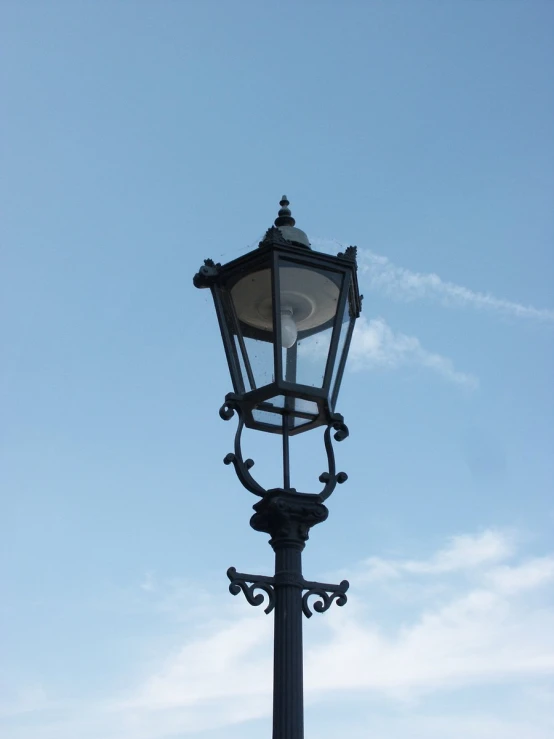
<point>286,316</point>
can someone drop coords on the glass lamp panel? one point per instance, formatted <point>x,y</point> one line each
<point>251,300</point>
<point>275,412</point>
<point>305,411</point>
<point>234,348</point>
<point>261,358</point>
<point>263,414</point>
<point>246,377</point>
<point>308,300</point>
<point>346,328</point>
<point>312,357</point>
<point>249,351</point>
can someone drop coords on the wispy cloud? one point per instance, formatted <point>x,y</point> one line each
<point>463,552</point>
<point>200,671</point>
<point>23,702</point>
<point>480,630</point>
<point>536,723</point>
<point>532,574</point>
<point>402,284</point>
<point>384,276</point>
<point>376,345</point>
<point>491,624</point>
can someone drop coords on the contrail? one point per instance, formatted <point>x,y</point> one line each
<point>399,283</point>
<point>403,284</point>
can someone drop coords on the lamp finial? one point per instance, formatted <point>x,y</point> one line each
<point>284,218</point>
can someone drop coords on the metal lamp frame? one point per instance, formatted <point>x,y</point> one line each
<point>272,252</point>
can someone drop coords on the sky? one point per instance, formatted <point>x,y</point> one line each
<point>138,139</point>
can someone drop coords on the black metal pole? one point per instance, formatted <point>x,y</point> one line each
<point>288,518</point>
<point>288,685</point>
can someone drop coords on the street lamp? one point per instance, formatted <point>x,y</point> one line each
<point>286,315</point>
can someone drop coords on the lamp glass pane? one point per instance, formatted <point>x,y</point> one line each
<point>346,328</point>
<point>261,358</point>
<point>236,355</point>
<point>250,303</point>
<point>263,414</point>
<point>274,410</point>
<point>312,357</point>
<point>247,383</point>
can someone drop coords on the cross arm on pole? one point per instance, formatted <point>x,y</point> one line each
<point>326,593</point>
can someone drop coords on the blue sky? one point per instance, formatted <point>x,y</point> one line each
<point>138,139</point>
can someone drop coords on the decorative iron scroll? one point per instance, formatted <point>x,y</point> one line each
<point>325,592</point>
<point>243,466</point>
<point>239,581</point>
<point>332,477</point>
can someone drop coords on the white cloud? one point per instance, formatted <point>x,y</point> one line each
<point>481,629</point>
<point>480,725</point>
<point>463,552</point>
<point>376,345</point>
<point>25,701</point>
<point>384,276</point>
<point>530,575</point>
<point>200,671</point>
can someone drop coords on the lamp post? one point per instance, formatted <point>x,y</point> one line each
<point>286,316</point>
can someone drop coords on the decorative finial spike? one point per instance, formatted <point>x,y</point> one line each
<point>284,218</point>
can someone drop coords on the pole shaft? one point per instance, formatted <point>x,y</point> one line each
<point>286,454</point>
<point>288,689</point>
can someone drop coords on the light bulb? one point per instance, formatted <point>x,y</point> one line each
<point>289,332</point>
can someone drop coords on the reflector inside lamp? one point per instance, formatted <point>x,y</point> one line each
<point>309,294</point>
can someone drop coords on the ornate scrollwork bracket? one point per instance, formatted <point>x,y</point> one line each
<point>242,466</point>
<point>325,592</point>
<point>240,580</point>
<point>332,477</point>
